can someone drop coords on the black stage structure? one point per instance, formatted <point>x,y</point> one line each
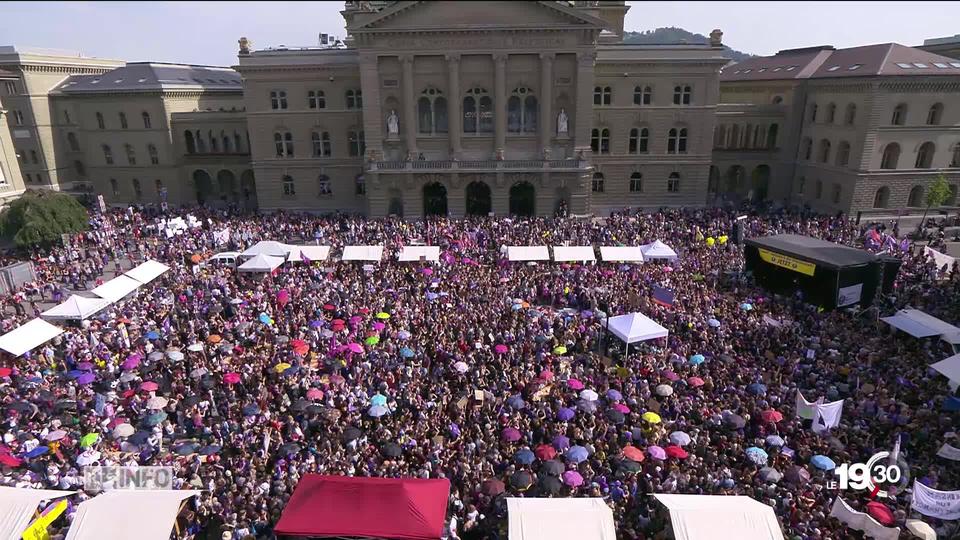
<point>829,275</point>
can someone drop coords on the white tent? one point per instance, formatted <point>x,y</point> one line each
<point>312,253</point>
<point>117,288</point>
<point>528,253</point>
<point>702,517</point>
<point>147,271</point>
<point>267,247</point>
<point>262,263</point>
<point>417,253</point>
<point>559,519</point>
<point>919,324</point>
<point>635,327</point>
<point>362,253</point>
<point>19,505</point>
<point>28,336</point>
<point>657,250</point>
<point>125,514</point>
<point>950,368</point>
<point>621,253</point>
<point>76,307</point>
<point>573,253</point>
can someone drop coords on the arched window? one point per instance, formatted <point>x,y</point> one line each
<point>432,112</point>
<point>673,183</point>
<point>772,136</point>
<point>831,113</point>
<point>681,94</point>
<point>843,154</point>
<point>600,141</point>
<point>748,137</point>
<point>278,99</point>
<point>356,142</point>
<point>955,160</point>
<point>321,143</point>
<point>81,170</point>
<point>107,154</point>
<point>720,136</point>
<point>226,143</point>
<point>131,154</point>
<point>819,189</point>
<point>882,197</point>
<point>188,139</point>
<point>813,112</point>
<point>636,182</point>
<point>154,157</point>
<point>324,187</point>
<point>891,155</point>
<point>642,95</point>
<point>522,111</point>
<point>925,155</point>
<point>824,150</point>
<point>146,119</point>
<point>800,185</point>
<point>316,99</point>
<point>602,95</point>
<point>477,111</point>
<point>72,141</point>
<point>899,115</point>
<point>214,143</point>
<point>123,121</point>
<point>639,140</point>
<point>915,199</point>
<point>734,137</point>
<point>851,115</point>
<point>598,183</point>
<point>288,185</point>
<point>284,144</point>
<point>100,123</point>
<point>935,114</point>
<point>806,148</point>
<point>201,143</point>
<point>114,187</point>
<point>677,141</point>
<point>354,99</point>
<point>137,189</point>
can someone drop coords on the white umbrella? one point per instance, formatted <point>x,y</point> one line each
<point>199,372</point>
<point>56,435</point>
<point>377,411</point>
<point>156,402</point>
<point>176,356</point>
<point>88,457</point>
<point>588,395</point>
<point>128,376</point>
<point>461,367</point>
<point>123,430</point>
<point>236,301</point>
<point>921,529</point>
<point>195,347</point>
<point>664,390</point>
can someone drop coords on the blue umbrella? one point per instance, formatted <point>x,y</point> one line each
<point>561,442</point>
<point>757,389</point>
<point>403,334</point>
<point>713,323</point>
<point>516,402</point>
<point>251,410</point>
<point>290,371</point>
<point>614,395</point>
<point>264,318</point>
<point>378,399</point>
<point>524,457</point>
<point>823,463</point>
<point>73,374</point>
<point>209,450</point>
<point>185,449</point>
<point>775,440</point>
<point>516,307</point>
<point>565,414</point>
<point>746,306</point>
<point>697,359</point>
<point>576,454</point>
<point>951,404</point>
<point>406,352</point>
<point>151,335</point>
<point>757,455</point>
<point>680,438</point>
<point>38,451</point>
<point>139,437</point>
<point>316,324</point>
<point>587,406</point>
<point>377,411</point>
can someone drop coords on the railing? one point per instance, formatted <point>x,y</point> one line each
<point>474,165</point>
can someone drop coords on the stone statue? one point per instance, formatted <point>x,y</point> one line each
<point>393,123</point>
<point>562,122</point>
<point>244,45</point>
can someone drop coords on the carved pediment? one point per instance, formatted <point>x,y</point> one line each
<point>450,15</point>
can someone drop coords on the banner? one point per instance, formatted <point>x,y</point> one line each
<point>940,259</point>
<point>787,262</point>
<point>934,503</point>
<point>849,295</point>
<point>806,409</point>
<point>221,237</point>
<point>827,416</point>
<point>949,452</point>
<point>862,522</point>
<point>38,529</point>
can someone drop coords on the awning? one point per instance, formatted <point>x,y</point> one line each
<point>76,307</point>
<point>560,519</point>
<point>28,336</point>
<point>148,271</point>
<point>262,263</point>
<point>700,517</point>
<point>658,250</point>
<point>311,253</point>
<point>397,508</point>
<point>19,505</point>
<point>528,253</point>
<point>621,253</point>
<point>125,514</point>
<point>267,247</point>
<point>418,253</point>
<point>636,327</point>
<point>362,253</point>
<point>950,368</point>
<point>118,287</point>
<point>573,253</point>
<point>918,324</point>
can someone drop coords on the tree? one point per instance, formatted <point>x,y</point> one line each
<point>41,217</point>
<point>938,194</point>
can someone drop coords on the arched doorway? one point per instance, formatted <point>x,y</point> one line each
<point>562,208</point>
<point>248,187</point>
<point>434,199</point>
<point>760,183</point>
<point>478,199</point>
<point>226,183</point>
<point>396,203</point>
<point>522,199</point>
<point>734,179</point>
<point>203,185</point>
<point>713,184</point>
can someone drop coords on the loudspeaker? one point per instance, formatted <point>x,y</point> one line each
<point>737,233</point>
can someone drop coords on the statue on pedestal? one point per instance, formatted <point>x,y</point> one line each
<point>562,125</point>
<point>393,123</point>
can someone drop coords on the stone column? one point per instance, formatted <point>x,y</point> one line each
<point>408,118</point>
<point>583,117</point>
<point>500,104</point>
<point>454,99</point>
<point>546,102</point>
<point>373,119</point>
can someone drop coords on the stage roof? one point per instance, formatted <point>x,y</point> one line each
<point>814,250</point>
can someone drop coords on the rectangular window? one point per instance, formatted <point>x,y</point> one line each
<point>360,185</point>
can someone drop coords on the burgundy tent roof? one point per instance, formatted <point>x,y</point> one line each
<point>400,508</point>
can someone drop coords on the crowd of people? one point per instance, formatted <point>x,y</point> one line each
<point>497,376</point>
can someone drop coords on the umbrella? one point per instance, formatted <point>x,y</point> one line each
<point>746,306</point>
<point>195,347</point>
<point>524,457</point>
<point>823,462</point>
<point>86,378</point>
<point>37,452</point>
<point>372,340</point>
<point>671,376</point>
<point>73,374</point>
<point>406,352</point>
<point>500,348</point>
<point>587,406</point>
<point>771,416</point>
<point>378,399</point>
<point>152,335</point>
<point>657,452</point>
<point>231,378</point>
<point>664,390</point>
<point>185,449</point>
<point>492,487</point>
<point>461,367</point>
<point>695,382</point>
<point>156,402</point>
<point>149,386</point>
<point>191,400</point>
<point>921,529</point>
<point>614,395</point>
<point>589,395</point>
<point>697,359</point>
<point>516,402</point>
<point>215,338</point>
<point>130,363</point>
<point>576,454</point>
<point>545,452</point>
<point>651,417</point>
<point>139,437</point>
<point>377,411</point>
<point>511,434</point>
<point>391,450</point>
<point>199,372</point>
<point>300,347</point>
<point>56,435</point>
<point>560,442</point>
<point>123,430</point>
<point>355,348</point>
<point>560,350</point>
<point>774,440</point>
<point>769,474</point>
<point>282,366</point>
<point>627,465</point>
<point>521,480</point>
<point>403,334</point>
<point>383,315</point>
<point>756,455</point>
<point>176,356</point>
<point>735,421</point>
<point>351,434</point>
<point>675,451</point>
<point>329,307</point>
<point>209,450</point>
<point>680,438</point>
<point>8,460</point>
<point>264,318</point>
<point>88,457</point>
<point>250,410</point>
<point>757,389</point>
<point>314,394</point>
<point>881,513</point>
<point>633,453</point>
<point>300,405</point>
<point>574,384</point>
<point>572,479</point>
<point>797,475</point>
<point>546,375</point>
<point>289,449</point>
<point>713,323</point>
<point>552,468</point>
<point>621,407</point>
<point>89,440</point>
<point>615,416</point>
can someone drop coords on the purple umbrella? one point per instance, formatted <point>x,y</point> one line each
<point>561,442</point>
<point>131,363</point>
<point>576,454</point>
<point>379,326</point>
<point>511,434</point>
<point>575,384</point>
<point>565,414</point>
<point>614,395</point>
<point>572,478</point>
<point>671,376</point>
<point>86,366</point>
<point>86,378</point>
<point>657,453</point>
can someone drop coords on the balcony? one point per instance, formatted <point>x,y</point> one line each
<point>512,165</point>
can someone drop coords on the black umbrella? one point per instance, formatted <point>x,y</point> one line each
<point>289,449</point>
<point>628,465</point>
<point>300,405</point>
<point>391,450</point>
<point>191,400</point>
<point>552,468</point>
<point>735,421</point>
<point>615,416</point>
<point>207,383</point>
<point>148,367</point>
<point>549,485</point>
<point>492,487</point>
<point>314,409</point>
<point>521,480</point>
<point>351,434</point>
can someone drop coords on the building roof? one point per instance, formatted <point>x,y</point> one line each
<point>154,76</point>
<point>950,40</point>
<point>826,62</point>
<point>814,250</point>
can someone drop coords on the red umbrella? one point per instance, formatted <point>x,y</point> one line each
<point>633,453</point>
<point>149,386</point>
<point>676,452</point>
<point>338,322</point>
<point>881,513</point>
<point>231,378</point>
<point>9,460</point>
<point>300,347</point>
<point>5,371</point>
<point>329,307</point>
<point>695,381</point>
<point>545,452</point>
<point>771,416</point>
<point>492,487</point>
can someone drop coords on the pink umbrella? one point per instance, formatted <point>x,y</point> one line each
<point>314,394</point>
<point>572,478</point>
<point>355,319</point>
<point>149,386</point>
<point>657,452</point>
<point>574,384</point>
<point>131,363</point>
<point>428,271</point>
<point>231,378</point>
<point>622,408</point>
<point>511,434</point>
<point>500,348</point>
<point>355,348</point>
<point>283,297</point>
<point>379,326</point>
<point>695,381</point>
<point>546,375</point>
<point>671,376</point>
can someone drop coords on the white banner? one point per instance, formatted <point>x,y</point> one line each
<point>849,295</point>
<point>949,452</point>
<point>862,522</point>
<point>827,416</point>
<point>806,409</point>
<point>221,237</point>
<point>934,503</point>
<point>940,259</point>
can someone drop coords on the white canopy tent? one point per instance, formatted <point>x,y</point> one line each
<point>573,254</point>
<point>76,307</point>
<point>528,253</point>
<point>657,250</point>
<point>262,263</point>
<point>362,253</point>
<point>125,514</point>
<point>147,271</point>
<point>118,287</point>
<point>621,253</point>
<point>28,336</point>
<point>918,324</point>
<point>312,253</point>
<point>949,368</point>
<point>19,505</point>
<point>700,517</point>
<point>635,327</point>
<point>559,519</point>
<point>418,253</point>
<point>267,247</point>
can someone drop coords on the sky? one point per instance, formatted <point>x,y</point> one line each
<point>207,32</point>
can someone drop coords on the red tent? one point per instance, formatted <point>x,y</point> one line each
<point>401,508</point>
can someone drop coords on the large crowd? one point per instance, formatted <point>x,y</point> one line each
<point>497,376</point>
